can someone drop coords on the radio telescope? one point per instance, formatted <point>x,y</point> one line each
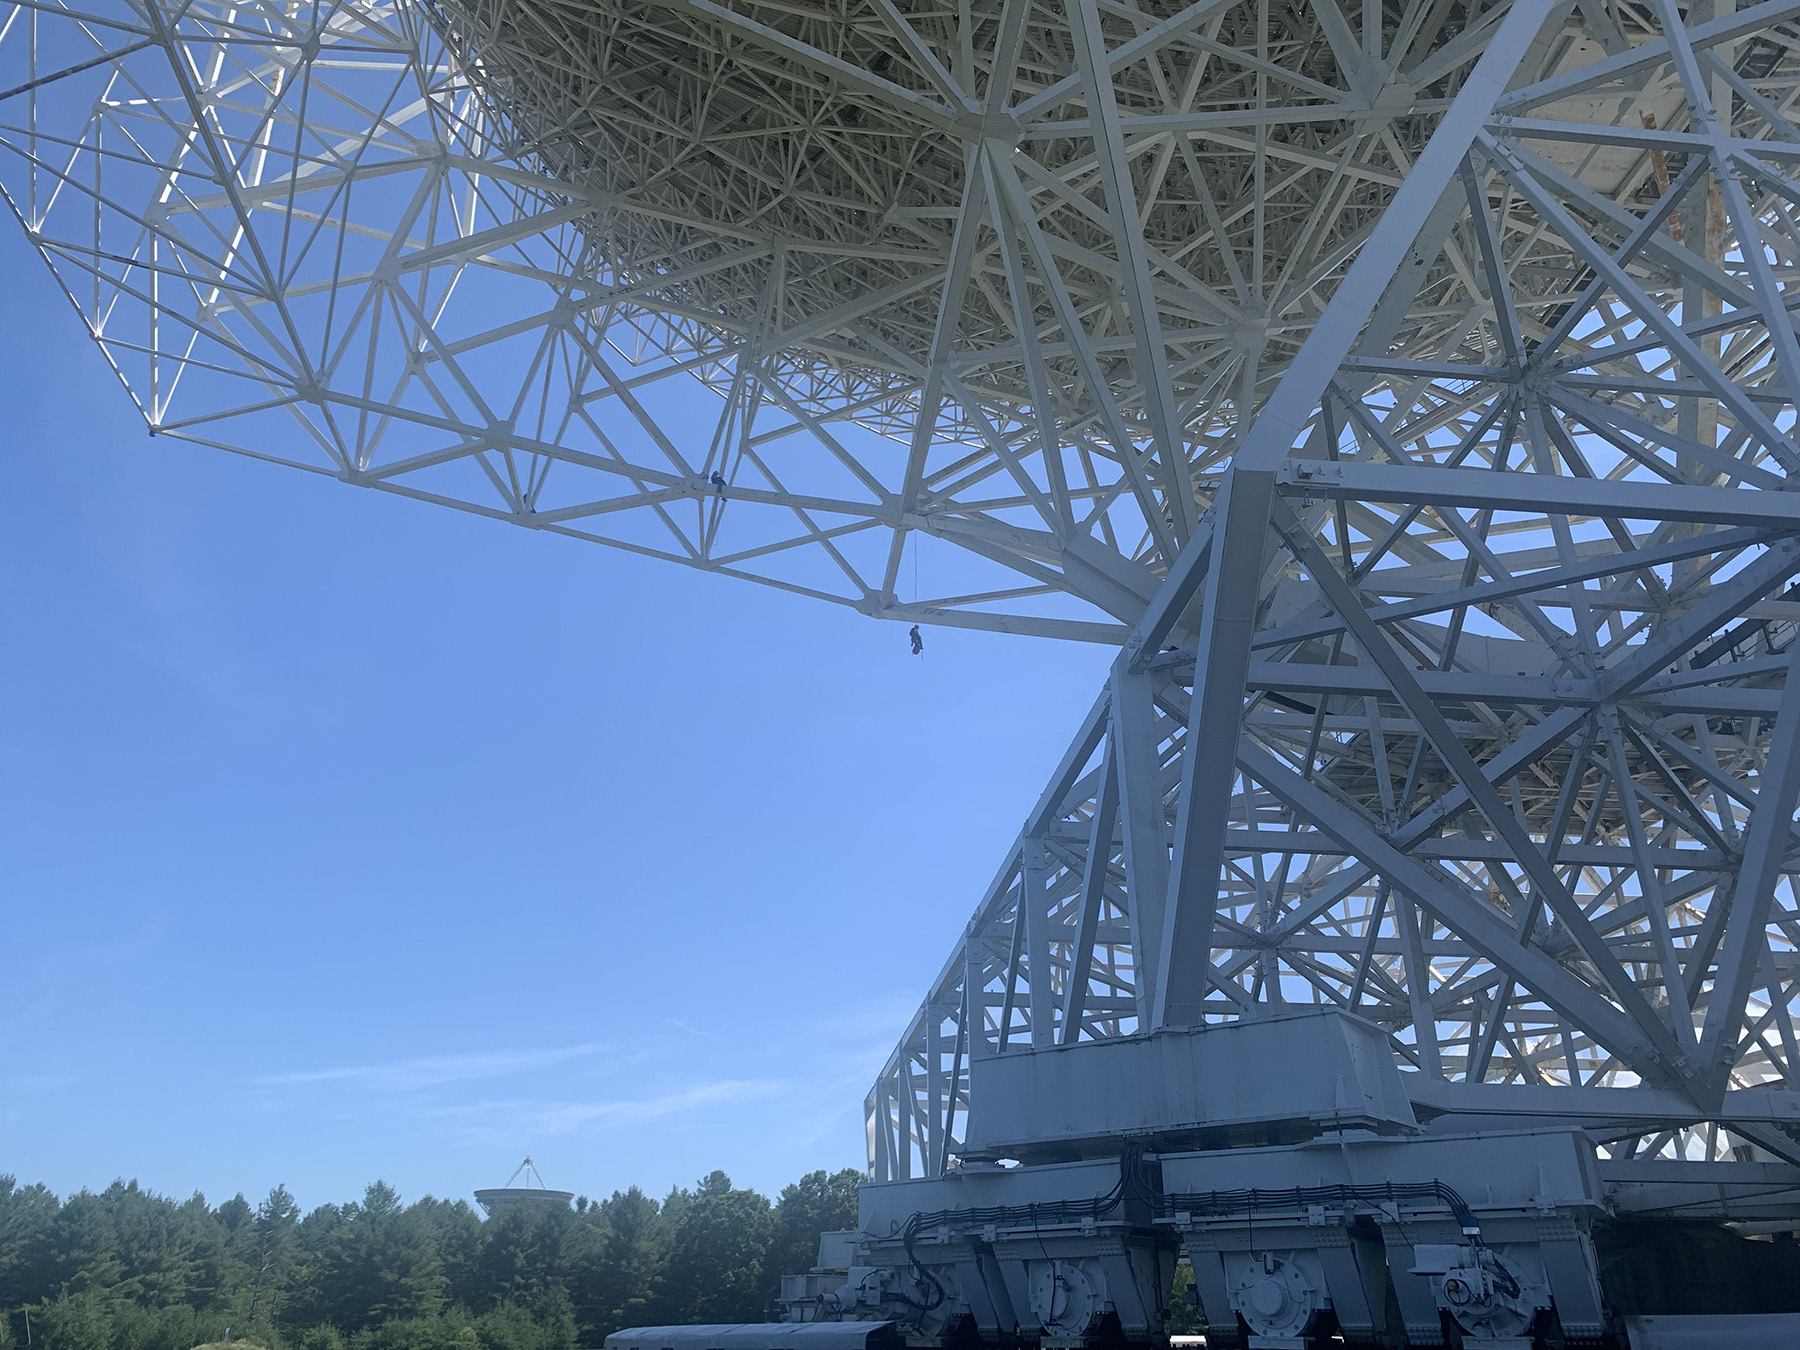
<point>497,1200</point>
<point>1405,388</point>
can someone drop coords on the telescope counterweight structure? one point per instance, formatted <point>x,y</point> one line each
<point>1406,390</point>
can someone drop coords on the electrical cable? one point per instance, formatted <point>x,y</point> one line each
<point>1036,1215</point>
<point>1226,1203</point>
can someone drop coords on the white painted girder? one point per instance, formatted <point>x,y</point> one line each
<point>1457,804</point>
<point>1486,308</point>
<point>324,234</point>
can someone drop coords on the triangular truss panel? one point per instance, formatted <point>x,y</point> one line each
<point>1408,386</point>
<point>769,289</point>
<point>1467,706</point>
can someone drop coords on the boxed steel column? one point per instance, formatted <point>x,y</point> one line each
<point>1265,1081</point>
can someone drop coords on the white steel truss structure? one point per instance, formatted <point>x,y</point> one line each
<point>1407,385</point>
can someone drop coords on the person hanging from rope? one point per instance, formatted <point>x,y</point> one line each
<point>918,641</point>
<point>718,482</point>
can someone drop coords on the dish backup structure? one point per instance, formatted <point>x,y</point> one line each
<point>1405,388</point>
<point>497,1200</point>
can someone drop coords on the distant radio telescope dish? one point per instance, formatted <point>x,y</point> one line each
<point>495,1200</point>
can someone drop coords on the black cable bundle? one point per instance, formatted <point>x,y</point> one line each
<point>1036,1214</point>
<point>1225,1203</point>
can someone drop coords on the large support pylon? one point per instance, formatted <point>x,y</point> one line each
<point>1466,708</point>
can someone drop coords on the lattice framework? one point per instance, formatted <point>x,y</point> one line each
<point>1407,386</point>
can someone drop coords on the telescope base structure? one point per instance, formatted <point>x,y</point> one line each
<point>1360,1217</point>
<point>1408,390</point>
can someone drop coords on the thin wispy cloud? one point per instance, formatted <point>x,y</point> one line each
<point>505,1119</point>
<point>562,1119</point>
<point>36,1085</point>
<point>426,1071</point>
<point>32,1089</point>
<point>852,1042</point>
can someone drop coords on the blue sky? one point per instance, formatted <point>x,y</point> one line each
<point>344,837</point>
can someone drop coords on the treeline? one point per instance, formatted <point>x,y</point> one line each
<point>126,1269</point>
